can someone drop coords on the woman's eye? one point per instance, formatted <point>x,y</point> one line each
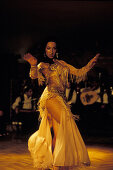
<point>48,48</point>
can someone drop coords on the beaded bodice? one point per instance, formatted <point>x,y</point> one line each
<point>55,75</point>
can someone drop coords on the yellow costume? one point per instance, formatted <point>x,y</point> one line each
<point>70,149</point>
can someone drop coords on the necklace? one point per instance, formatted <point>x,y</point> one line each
<point>53,66</point>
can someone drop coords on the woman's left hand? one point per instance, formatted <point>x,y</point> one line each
<point>94,60</point>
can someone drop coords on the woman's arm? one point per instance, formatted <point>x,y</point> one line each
<point>35,70</point>
<point>33,62</point>
<point>81,73</point>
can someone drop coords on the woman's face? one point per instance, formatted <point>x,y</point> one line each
<point>50,49</point>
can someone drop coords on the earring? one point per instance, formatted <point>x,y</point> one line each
<point>56,55</point>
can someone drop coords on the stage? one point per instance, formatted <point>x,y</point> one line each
<point>14,154</point>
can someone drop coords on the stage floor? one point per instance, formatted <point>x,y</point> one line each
<point>14,154</point>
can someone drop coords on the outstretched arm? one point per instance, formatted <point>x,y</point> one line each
<point>35,71</point>
<point>91,63</point>
<point>33,62</point>
<point>81,73</point>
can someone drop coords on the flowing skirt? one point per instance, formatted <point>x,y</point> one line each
<point>69,150</point>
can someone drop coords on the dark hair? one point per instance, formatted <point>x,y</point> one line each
<point>43,46</point>
<point>49,39</point>
<point>38,49</point>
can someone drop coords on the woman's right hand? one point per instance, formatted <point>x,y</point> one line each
<point>30,59</point>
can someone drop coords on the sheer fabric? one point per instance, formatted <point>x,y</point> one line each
<point>70,149</point>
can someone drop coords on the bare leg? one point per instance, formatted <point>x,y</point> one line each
<point>54,108</point>
<point>55,129</point>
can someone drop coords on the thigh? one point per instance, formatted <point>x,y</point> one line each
<point>55,108</point>
<point>55,125</point>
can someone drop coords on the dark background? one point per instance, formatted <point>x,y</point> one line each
<point>77,24</point>
<point>83,28</point>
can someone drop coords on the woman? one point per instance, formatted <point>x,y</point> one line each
<point>64,149</point>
